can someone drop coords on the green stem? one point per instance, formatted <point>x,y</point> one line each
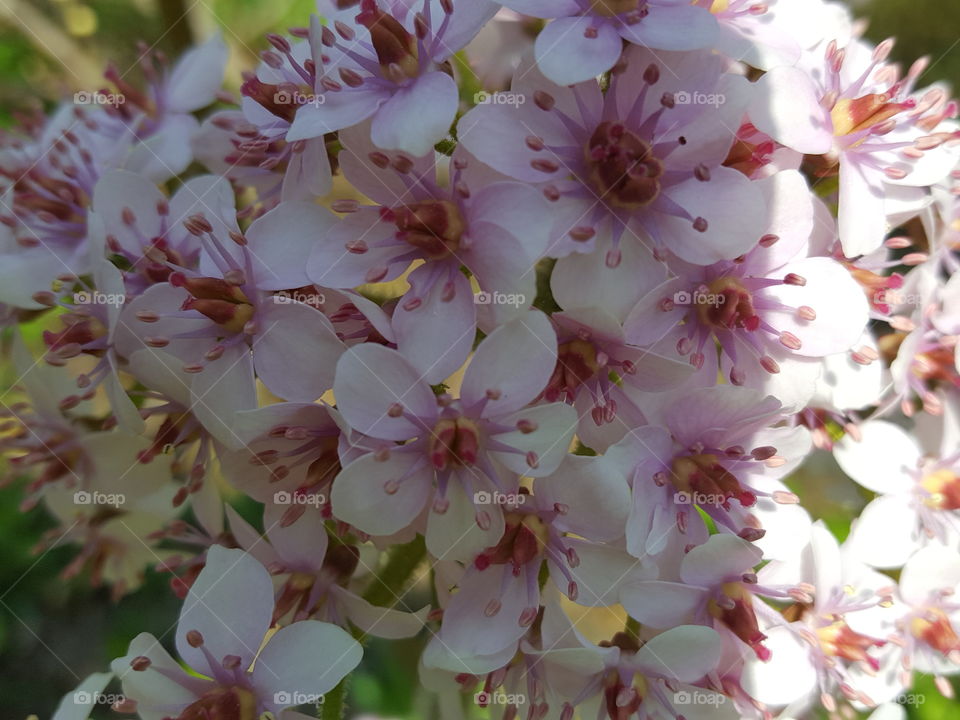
<point>389,584</point>
<point>335,702</point>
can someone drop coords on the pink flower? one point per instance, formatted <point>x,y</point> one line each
<point>387,65</point>
<point>494,229</point>
<point>640,164</point>
<point>454,454</point>
<point>863,121</point>
<point>224,320</point>
<point>586,38</point>
<point>220,638</point>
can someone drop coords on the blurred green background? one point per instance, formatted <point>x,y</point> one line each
<point>55,632</point>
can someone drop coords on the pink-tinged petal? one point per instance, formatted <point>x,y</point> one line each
<point>662,604</point>
<point>516,208</point>
<point>469,628</point>
<point>575,49</point>
<point>307,658</point>
<point>787,526</point>
<point>197,76</point>
<point>881,459</point>
<point>512,365</point>
<point>209,195</point>
<point>596,495</point>
<point>584,280</point>
<point>162,299</point>
<point>686,653</point>
<point>227,627</point>
<point>280,243</point>
<point>555,425</point>
<point>332,264</point>
<point>787,108</point>
<point>295,351</point>
<point>308,174</point>
<point>930,569</point>
<point>886,534</point>
<point>602,571</point>
<point>861,215</point>
<point>437,655</point>
<point>733,207</point>
<point>790,201</point>
<point>120,189</point>
<point>402,124</point>
<point>672,27</point>
<point>757,42</point>
<point>496,134</point>
<point>544,8</point>
<point>503,269</point>
<point>22,274</point>
<point>162,688</point>
<point>437,336</point>
<point>249,538</point>
<point>655,315</point>
<point>359,496</point>
<point>710,413</point>
<point>222,389</point>
<point>382,185</point>
<point>383,622</point>
<point>836,298</point>
<point>78,704</point>
<point>302,544</point>
<point>454,534</point>
<point>338,110</point>
<point>788,675</point>
<point>162,372</point>
<point>166,152</point>
<point>721,558</point>
<point>465,22</point>
<point>372,379</point>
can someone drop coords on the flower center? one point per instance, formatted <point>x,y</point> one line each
<point>944,488</point>
<point>853,116</point>
<point>230,703</point>
<point>396,48</point>
<point>727,304</point>
<point>576,363</point>
<point>454,442</point>
<point>622,168</point>
<point>934,628</point>
<point>221,301</point>
<point>838,640</point>
<point>435,227</point>
<point>524,539</point>
<point>611,8</point>
<point>734,608</point>
<point>706,481</point>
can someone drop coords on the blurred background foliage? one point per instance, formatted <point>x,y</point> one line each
<point>54,632</point>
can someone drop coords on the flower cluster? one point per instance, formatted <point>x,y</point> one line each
<point>569,288</point>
